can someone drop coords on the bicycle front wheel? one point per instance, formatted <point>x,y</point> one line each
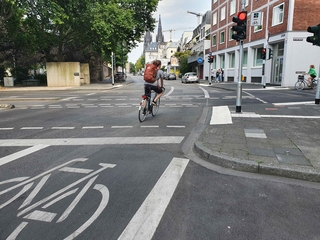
<point>142,111</point>
<point>155,108</point>
<point>300,85</point>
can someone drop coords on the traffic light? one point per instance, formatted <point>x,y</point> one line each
<point>240,30</point>
<point>270,53</point>
<point>263,53</point>
<point>209,59</point>
<point>315,39</point>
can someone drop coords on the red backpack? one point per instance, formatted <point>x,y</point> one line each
<point>150,73</point>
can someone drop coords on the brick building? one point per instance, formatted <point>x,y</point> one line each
<point>283,30</point>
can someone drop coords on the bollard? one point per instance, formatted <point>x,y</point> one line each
<point>317,100</point>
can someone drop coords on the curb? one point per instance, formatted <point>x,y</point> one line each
<point>301,173</point>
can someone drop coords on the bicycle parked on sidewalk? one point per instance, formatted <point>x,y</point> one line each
<point>303,82</point>
<point>146,106</point>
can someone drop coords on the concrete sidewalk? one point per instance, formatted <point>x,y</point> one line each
<point>273,140</point>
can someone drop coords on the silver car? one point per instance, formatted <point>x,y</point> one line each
<point>190,77</point>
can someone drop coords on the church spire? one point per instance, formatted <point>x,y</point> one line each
<point>159,37</point>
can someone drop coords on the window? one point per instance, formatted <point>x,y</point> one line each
<point>258,28</point>
<point>245,58</point>
<point>277,15</point>
<point>223,13</point>
<point>233,7</point>
<point>222,37</point>
<point>214,1</point>
<point>231,60</point>
<point>222,61</point>
<point>214,40</point>
<point>247,3</point>
<point>214,18</point>
<point>230,34</point>
<point>257,61</point>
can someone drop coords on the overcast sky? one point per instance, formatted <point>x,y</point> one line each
<point>174,16</point>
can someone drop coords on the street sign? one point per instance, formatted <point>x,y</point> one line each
<point>256,18</point>
<point>200,60</point>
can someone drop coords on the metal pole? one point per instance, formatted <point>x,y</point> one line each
<point>239,86</point>
<point>112,77</point>
<point>317,100</point>
<point>209,74</point>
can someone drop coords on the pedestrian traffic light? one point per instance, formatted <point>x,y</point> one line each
<point>263,53</point>
<point>240,30</point>
<point>209,59</point>
<point>315,39</point>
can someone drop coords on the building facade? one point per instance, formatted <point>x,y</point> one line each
<point>283,30</point>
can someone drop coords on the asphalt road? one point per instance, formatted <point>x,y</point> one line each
<point>81,166</point>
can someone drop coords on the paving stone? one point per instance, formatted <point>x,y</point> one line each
<point>292,159</point>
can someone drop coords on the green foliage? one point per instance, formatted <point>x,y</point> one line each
<point>68,30</point>
<point>132,68</point>
<point>183,61</point>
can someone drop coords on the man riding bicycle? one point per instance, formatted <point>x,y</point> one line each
<point>157,86</point>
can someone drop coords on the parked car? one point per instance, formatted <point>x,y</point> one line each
<point>190,77</point>
<point>172,76</point>
<point>120,77</point>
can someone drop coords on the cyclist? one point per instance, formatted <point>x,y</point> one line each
<point>313,74</point>
<point>157,86</point>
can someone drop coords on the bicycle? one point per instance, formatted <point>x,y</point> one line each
<point>146,107</point>
<point>302,82</point>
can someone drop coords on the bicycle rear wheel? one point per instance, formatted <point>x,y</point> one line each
<point>155,108</point>
<point>142,111</point>
<point>300,85</point>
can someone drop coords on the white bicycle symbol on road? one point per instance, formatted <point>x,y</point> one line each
<point>28,210</point>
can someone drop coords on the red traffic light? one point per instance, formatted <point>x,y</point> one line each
<point>242,16</point>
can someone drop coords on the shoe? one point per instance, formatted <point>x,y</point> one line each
<point>144,111</point>
<point>154,103</point>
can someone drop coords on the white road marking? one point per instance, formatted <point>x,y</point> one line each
<point>6,129</point>
<point>251,95</point>
<point>41,216</point>
<point>145,222</point>
<point>31,128</point>
<point>169,93</point>
<point>293,103</point>
<point>121,126</point>
<point>93,127</point>
<point>91,141</point>
<point>16,232</point>
<point>206,94</point>
<point>63,128</point>
<point>22,153</point>
<point>153,126</point>
<point>220,115</point>
<point>175,126</point>
<point>75,170</point>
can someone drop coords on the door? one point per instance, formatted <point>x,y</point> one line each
<point>277,70</point>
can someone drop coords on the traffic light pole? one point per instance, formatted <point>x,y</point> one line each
<point>239,86</point>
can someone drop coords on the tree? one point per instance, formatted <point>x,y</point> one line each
<point>63,30</point>
<point>132,68</point>
<point>183,61</point>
